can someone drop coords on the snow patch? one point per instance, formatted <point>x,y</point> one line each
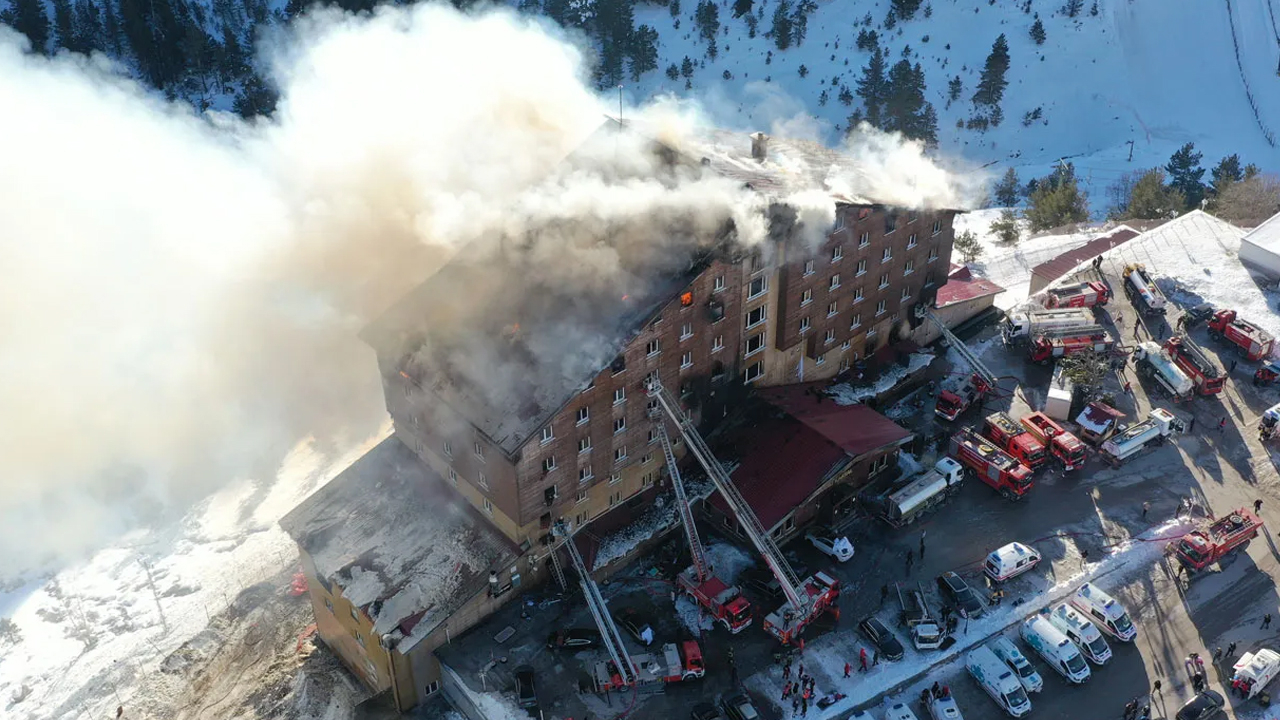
<point>847,394</point>
<point>728,560</point>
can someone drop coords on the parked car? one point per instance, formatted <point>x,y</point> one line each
<point>1197,315</point>
<point>636,624</point>
<point>957,593</point>
<point>1206,705</point>
<point>526,692</point>
<point>829,543</point>
<point>739,707</point>
<point>573,639</point>
<point>878,634</point>
<point>706,711</point>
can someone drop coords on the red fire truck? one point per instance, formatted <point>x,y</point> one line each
<point>1199,549</point>
<point>1014,439</point>
<point>1208,376</point>
<point>672,663</point>
<point>1061,444</point>
<point>992,465</point>
<point>952,402</point>
<point>1068,341</point>
<point>1250,340</point>
<point>1086,294</point>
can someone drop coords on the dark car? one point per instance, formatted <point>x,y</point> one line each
<point>635,623</point>
<point>706,711</point>
<point>573,639</point>
<point>1204,706</point>
<point>526,693</point>
<point>957,594</point>
<point>878,634</point>
<point>1197,315</point>
<point>739,707</point>
<point>764,585</point>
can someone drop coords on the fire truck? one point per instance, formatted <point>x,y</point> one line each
<point>806,600</point>
<point>674,663</point>
<point>1060,443</point>
<point>1201,548</point>
<point>1152,361</point>
<point>992,465</point>
<point>1124,445</point>
<point>1208,376</point>
<point>1250,340</point>
<point>724,602</point>
<point>1142,290</point>
<point>1014,439</point>
<point>1085,294</point>
<point>1065,342</point>
<point>955,400</point>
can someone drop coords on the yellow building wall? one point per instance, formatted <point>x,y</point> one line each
<point>342,626</point>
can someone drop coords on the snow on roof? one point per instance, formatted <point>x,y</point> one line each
<point>398,541</point>
<point>1266,235</point>
<point>1068,261</point>
<point>962,286</point>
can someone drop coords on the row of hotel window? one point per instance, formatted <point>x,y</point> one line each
<point>890,221</point>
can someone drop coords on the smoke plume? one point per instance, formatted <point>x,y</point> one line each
<point>182,293</point>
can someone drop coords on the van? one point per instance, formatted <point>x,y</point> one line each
<point>897,710</point>
<point>1054,647</point>
<point>1082,633</point>
<point>1105,612</point>
<point>1010,561</point>
<point>998,680</point>
<point>1010,655</point>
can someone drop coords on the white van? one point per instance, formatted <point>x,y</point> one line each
<point>897,710</point>
<point>1010,561</point>
<point>1055,647</point>
<point>1082,633</point>
<point>1105,612</point>
<point>998,680</point>
<point>1022,669</point>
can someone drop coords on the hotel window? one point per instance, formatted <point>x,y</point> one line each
<point>488,506</point>
<point>884,281</point>
<point>820,360</point>
<point>619,395</point>
<point>864,240</point>
<point>755,344</point>
<point>482,481</point>
<point>837,253</point>
<point>846,344</point>
<point>879,309</point>
<point>584,414</point>
<point>619,425</point>
<point>584,444</point>
<point>652,347</point>
<point>653,436</point>
<point>909,267</point>
<point>862,267</point>
<point>808,267</point>
<point>857,321</point>
<point>832,308</point>
<point>646,458</point>
<point>718,343</point>
<point>804,323</point>
<point>548,434</point>
<point>718,284</point>
<point>906,293</point>
<point>890,223</point>
<point>911,241</point>
<point>886,255</point>
<point>754,371</point>
<point>835,282</point>
<point>806,297</point>
<point>615,478</point>
<point>857,295</point>
<point>355,615</point>
<point>912,215</point>
<point>620,454</point>
<point>928,279</point>
<point>937,226</point>
<point>830,337</point>
<point>453,476</point>
<point>933,254</point>
<point>549,463</point>
<point>757,316</point>
<point>757,287</point>
<point>686,360</point>
<point>585,474</point>
<point>479,451</point>
<point>839,220</point>
<point>686,331</point>
<point>448,449</point>
<point>581,498</point>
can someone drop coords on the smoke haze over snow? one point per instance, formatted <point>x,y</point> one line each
<point>181,297</point>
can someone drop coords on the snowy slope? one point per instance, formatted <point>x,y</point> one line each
<point>1157,72</point>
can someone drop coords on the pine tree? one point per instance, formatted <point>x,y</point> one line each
<point>1006,227</point>
<point>955,87</point>
<point>800,21</point>
<point>781,28</point>
<point>742,7</point>
<point>156,31</point>
<point>614,26</point>
<point>904,9</point>
<point>557,10</point>
<point>232,62</point>
<point>992,83</point>
<point>256,99</point>
<point>1057,200</point>
<point>686,67</point>
<point>88,35</point>
<point>1185,174</point>
<point>644,51</point>
<point>112,38</point>
<point>873,88</point>
<point>1151,199</point>
<point>966,243</point>
<point>64,23</point>
<point>1073,7</point>
<point>673,72</point>
<point>1037,32</point>
<point>1006,189</point>
<point>1227,171</point>
<point>905,109</point>
<point>707,18</point>
<point>28,17</point>
<point>674,7</point>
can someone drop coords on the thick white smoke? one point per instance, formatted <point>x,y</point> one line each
<point>181,297</point>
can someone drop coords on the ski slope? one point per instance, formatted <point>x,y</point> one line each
<point>1159,73</point>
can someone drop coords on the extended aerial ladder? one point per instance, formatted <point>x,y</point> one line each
<point>955,400</point>
<point>805,600</point>
<point>979,368</point>
<point>723,601</point>
<point>609,634</point>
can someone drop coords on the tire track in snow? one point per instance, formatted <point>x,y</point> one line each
<point>1267,134</point>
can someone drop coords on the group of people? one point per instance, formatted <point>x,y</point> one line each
<point>800,692</point>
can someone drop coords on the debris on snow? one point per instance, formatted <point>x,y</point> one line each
<point>728,560</point>
<point>847,394</point>
<point>692,617</point>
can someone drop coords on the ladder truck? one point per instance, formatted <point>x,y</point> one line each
<point>1085,294</point>
<point>805,601</point>
<point>1065,342</point>
<point>1251,341</point>
<point>1061,444</point>
<point>952,402</point>
<point>620,671</point>
<point>723,601</point>
<point>1208,376</point>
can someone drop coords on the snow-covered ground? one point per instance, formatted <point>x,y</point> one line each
<point>92,632</point>
<point>1101,81</point>
<point>825,657</point>
<point>848,394</point>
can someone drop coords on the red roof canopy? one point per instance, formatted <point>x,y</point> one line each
<point>962,285</point>
<point>785,465</point>
<point>857,429</point>
<point>1067,261</point>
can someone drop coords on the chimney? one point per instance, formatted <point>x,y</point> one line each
<point>759,146</point>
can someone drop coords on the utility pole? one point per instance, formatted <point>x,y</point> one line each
<point>619,104</point>
<point>151,581</point>
<point>1130,151</point>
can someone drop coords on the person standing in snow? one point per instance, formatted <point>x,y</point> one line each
<point>847,669</point>
<point>1257,506</point>
<point>862,658</point>
<point>911,558</point>
<point>1266,621</point>
<point>1145,507</point>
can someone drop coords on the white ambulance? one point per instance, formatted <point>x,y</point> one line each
<point>1082,633</point>
<point>1055,647</point>
<point>1010,561</point>
<point>998,680</point>
<point>1010,655</point>
<point>1105,612</point>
